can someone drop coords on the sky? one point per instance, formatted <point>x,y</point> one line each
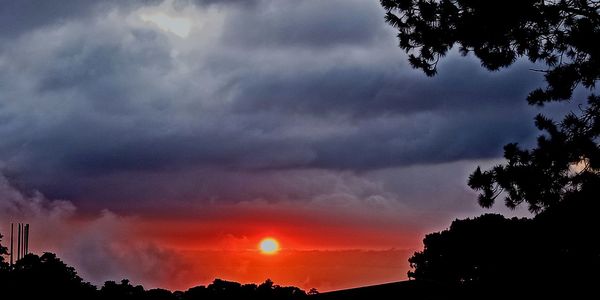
<point>160,141</point>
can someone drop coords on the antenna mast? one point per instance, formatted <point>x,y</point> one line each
<point>22,242</point>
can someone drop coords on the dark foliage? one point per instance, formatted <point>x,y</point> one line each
<point>221,289</point>
<point>565,162</point>
<point>4,267</point>
<point>35,276</point>
<point>3,252</point>
<point>461,255</point>
<point>561,34</point>
<point>558,251</point>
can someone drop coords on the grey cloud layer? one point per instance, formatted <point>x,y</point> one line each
<point>90,94</point>
<point>17,17</point>
<point>302,24</point>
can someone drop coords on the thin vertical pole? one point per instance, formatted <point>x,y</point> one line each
<point>24,240</point>
<point>27,240</point>
<point>19,243</point>
<point>23,243</point>
<point>11,243</point>
<point>22,231</point>
<point>20,240</point>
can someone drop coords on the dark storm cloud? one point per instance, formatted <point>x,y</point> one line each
<point>18,16</point>
<point>91,96</point>
<point>367,91</point>
<point>306,24</point>
<point>432,139</point>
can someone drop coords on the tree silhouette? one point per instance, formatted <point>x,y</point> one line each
<point>265,289</point>
<point>560,34</point>
<point>563,34</point>
<point>479,253</point>
<point>3,252</point>
<point>161,294</point>
<point>565,162</point>
<point>123,290</point>
<point>544,256</point>
<point>4,267</point>
<point>46,276</point>
<point>558,251</point>
<point>221,289</point>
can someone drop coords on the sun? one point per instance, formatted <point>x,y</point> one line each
<point>268,246</point>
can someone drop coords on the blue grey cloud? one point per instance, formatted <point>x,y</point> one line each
<point>17,17</point>
<point>330,23</point>
<point>91,93</point>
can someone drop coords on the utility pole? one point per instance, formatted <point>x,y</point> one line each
<point>11,243</point>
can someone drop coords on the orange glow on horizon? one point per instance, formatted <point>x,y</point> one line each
<point>268,246</point>
<point>243,244</point>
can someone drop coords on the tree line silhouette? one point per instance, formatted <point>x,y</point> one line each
<point>47,277</point>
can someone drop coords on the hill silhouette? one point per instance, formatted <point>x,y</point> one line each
<point>413,289</point>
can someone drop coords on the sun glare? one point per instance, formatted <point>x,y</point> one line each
<point>268,246</point>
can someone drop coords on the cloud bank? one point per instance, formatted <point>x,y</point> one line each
<point>139,109</point>
<point>92,92</point>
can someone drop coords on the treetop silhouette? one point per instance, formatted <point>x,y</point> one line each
<point>3,252</point>
<point>566,161</point>
<point>563,35</point>
<point>557,251</point>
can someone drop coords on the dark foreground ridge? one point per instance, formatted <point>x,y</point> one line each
<point>411,289</point>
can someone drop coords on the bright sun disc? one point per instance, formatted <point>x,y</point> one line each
<point>268,246</point>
